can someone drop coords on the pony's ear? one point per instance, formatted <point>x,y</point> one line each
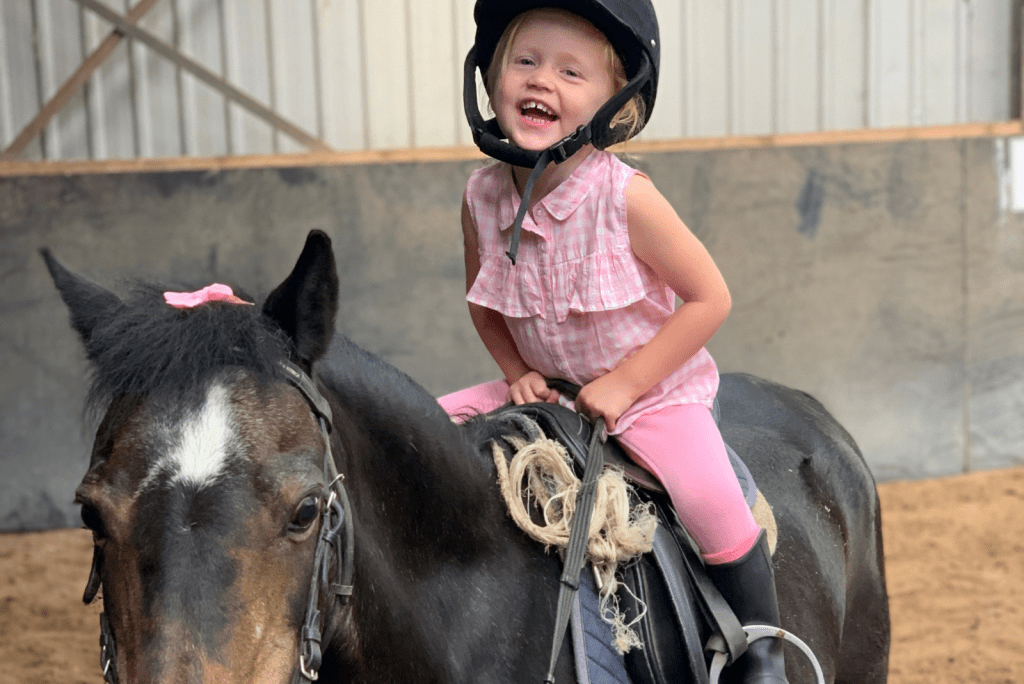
<point>88,303</point>
<point>305,304</point>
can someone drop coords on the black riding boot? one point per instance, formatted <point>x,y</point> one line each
<point>748,584</point>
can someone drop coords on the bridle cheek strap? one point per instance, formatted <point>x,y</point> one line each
<point>92,587</point>
<point>336,531</point>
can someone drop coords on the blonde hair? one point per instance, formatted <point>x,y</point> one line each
<point>629,119</point>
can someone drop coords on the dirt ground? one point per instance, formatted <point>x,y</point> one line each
<point>954,554</point>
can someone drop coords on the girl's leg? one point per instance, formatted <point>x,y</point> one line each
<point>475,400</point>
<point>682,447</point>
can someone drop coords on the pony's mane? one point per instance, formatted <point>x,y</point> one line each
<point>150,349</point>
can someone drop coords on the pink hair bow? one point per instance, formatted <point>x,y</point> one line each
<point>210,293</point>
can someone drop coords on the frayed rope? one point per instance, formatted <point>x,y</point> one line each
<point>618,532</point>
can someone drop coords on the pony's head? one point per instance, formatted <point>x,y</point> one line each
<point>205,490</point>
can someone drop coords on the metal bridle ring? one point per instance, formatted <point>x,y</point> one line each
<point>311,675</point>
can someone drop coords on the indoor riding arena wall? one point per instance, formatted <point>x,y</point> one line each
<point>886,279</point>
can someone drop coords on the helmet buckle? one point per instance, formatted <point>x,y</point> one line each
<point>570,144</point>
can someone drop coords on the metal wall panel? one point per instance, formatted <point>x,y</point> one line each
<point>248,57</point>
<point>112,96</point>
<point>989,40</point>
<point>436,93</point>
<point>204,117</point>
<point>753,38</point>
<point>385,39</point>
<point>707,82</point>
<point>343,75</point>
<point>161,100</point>
<point>843,84</point>
<point>382,74</point>
<point>22,97</point>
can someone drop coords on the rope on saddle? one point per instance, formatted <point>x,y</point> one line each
<point>610,530</point>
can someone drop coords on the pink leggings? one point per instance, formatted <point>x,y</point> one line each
<point>682,447</point>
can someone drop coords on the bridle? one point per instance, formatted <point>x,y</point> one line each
<point>336,531</point>
<point>336,523</point>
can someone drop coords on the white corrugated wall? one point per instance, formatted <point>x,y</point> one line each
<point>385,74</point>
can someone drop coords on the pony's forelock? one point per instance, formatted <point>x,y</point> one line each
<point>152,350</point>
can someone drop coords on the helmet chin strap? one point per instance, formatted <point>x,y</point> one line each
<point>557,153</point>
<point>542,163</point>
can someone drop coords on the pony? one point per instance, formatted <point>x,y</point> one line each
<point>272,504</point>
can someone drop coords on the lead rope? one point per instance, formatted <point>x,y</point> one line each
<point>578,538</point>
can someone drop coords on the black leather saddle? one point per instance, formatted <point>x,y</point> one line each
<point>683,608</point>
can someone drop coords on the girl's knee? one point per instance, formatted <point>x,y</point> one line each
<point>482,398</point>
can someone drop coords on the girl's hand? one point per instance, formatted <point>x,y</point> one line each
<point>605,398</point>
<point>530,388</point>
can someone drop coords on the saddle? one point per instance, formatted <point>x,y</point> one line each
<point>683,608</point>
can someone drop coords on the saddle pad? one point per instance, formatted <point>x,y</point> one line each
<point>746,480</point>
<point>597,660</point>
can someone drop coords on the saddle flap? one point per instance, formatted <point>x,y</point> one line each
<point>671,630</point>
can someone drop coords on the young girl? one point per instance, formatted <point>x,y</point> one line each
<point>589,293</point>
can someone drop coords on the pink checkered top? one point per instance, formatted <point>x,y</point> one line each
<point>577,301</point>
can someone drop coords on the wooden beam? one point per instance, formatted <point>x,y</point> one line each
<point>996,129</point>
<point>430,155</point>
<point>73,84</point>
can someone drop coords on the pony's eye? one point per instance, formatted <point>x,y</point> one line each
<point>306,514</point>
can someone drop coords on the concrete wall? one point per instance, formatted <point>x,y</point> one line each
<point>882,278</point>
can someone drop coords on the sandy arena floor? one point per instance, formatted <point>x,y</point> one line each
<point>955,566</point>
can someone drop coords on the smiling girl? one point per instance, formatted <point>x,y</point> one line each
<point>589,295</point>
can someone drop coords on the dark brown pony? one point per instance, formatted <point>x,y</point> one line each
<point>207,498</point>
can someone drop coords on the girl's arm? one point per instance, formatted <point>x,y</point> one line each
<point>661,240</point>
<point>525,384</point>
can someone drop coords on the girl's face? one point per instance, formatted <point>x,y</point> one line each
<point>557,76</point>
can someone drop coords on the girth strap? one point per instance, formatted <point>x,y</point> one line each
<point>578,539</point>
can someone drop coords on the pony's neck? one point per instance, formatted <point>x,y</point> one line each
<point>433,538</point>
<point>422,480</point>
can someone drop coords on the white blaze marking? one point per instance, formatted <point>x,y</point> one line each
<point>205,440</point>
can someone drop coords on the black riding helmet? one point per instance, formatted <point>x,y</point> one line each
<point>631,27</point>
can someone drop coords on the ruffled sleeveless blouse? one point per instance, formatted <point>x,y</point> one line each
<point>577,301</point>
